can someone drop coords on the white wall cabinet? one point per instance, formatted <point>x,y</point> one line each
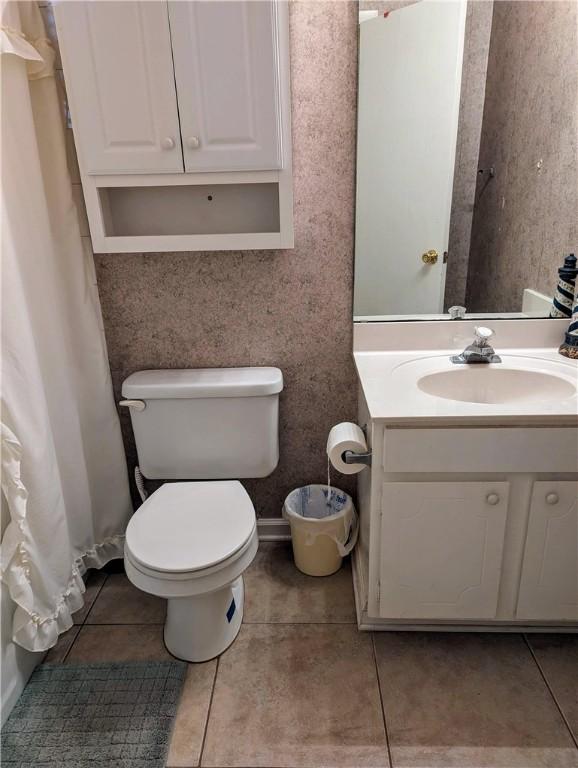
<point>235,126</point>
<point>121,84</point>
<point>474,528</point>
<point>188,96</point>
<point>549,583</point>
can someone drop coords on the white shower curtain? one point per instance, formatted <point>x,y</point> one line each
<point>63,466</point>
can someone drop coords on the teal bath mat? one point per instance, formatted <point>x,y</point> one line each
<point>97,715</point>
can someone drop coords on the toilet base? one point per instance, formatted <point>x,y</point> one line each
<point>201,627</point>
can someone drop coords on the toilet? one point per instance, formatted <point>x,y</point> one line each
<point>190,542</point>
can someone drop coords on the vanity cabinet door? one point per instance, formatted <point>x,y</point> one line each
<point>549,583</point>
<point>441,549</point>
<point>227,75</point>
<point>120,85</point>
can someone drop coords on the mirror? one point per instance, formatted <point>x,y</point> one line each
<point>467,159</point>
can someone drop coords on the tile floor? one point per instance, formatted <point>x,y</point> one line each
<point>302,688</point>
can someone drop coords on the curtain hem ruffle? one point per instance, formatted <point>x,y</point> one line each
<point>29,629</point>
<point>36,633</point>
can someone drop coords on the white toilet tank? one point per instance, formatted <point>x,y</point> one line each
<point>205,424</point>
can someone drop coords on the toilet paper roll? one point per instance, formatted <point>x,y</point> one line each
<point>345,437</point>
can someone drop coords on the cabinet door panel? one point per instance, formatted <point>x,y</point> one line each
<point>227,75</point>
<point>120,83</point>
<point>549,584</point>
<point>441,549</point>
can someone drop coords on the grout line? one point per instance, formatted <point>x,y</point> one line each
<point>551,691</point>
<point>81,625</point>
<point>95,599</point>
<point>209,712</point>
<point>125,624</point>
<point>299,623</point>
<point>389,757</point>
<point>72,643</point>
<point>245,624</point>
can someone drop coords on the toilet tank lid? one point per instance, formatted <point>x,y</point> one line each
<point>202,382</point>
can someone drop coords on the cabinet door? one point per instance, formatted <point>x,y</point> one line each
<point>441,549</point>
<point>549,584</point>
<point>120,83</point>
<point>227,75</point>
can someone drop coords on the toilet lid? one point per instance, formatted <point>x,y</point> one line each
<point>184,527</point>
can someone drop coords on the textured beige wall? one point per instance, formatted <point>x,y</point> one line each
<point>526,218</point>
<point>290,308</point>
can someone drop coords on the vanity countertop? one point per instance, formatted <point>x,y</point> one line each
<point>394,384</point>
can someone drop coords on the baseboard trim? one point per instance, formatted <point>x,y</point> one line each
<point>273,529</point>
<point>383,625</point>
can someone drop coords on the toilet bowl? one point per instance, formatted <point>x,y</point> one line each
<point>190,544</point>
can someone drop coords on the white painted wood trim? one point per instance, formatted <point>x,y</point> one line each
<point>229,242</point>
<point>273,529</point>
<point>375,625</point>
<point>359,586</point>
<point>187,179</point>
<point>494,450</point>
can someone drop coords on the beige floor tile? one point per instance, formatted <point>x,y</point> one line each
<point>461,700</point>
<point>296,695</point>
<point>134,642</point>
<point>119,602</point>
<point>189,728</point>
<point>558,658</point>
<point>275,591</point>
<point>57,653</point>
<point>94,582</point>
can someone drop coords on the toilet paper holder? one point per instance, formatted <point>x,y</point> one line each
<point>349,457</point>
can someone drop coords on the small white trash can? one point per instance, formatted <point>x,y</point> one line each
<point>323,531</point>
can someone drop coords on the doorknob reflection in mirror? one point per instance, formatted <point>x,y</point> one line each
<point>430,257</point>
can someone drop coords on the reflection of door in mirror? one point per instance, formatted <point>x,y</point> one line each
<point>467,144</point>
<point>410,67</point>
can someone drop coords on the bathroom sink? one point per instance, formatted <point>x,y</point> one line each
<point>493,384</point>
<point>529,386</point>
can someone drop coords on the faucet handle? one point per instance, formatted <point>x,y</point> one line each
<point>483,335</point>
<point>457,312</point>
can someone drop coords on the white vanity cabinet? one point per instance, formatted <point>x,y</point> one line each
<point>549,583</point>
<point>181,118</point>
<point>471,527</point>
<point>442,548</point>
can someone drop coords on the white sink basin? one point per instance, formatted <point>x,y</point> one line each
<point>530,386</point>
<point>493,384</point>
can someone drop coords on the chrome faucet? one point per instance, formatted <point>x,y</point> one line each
<point>480,350</point>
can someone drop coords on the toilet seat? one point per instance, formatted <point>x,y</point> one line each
<point>185,576</point>
<point>178,585</point>
<point>184,529</point>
